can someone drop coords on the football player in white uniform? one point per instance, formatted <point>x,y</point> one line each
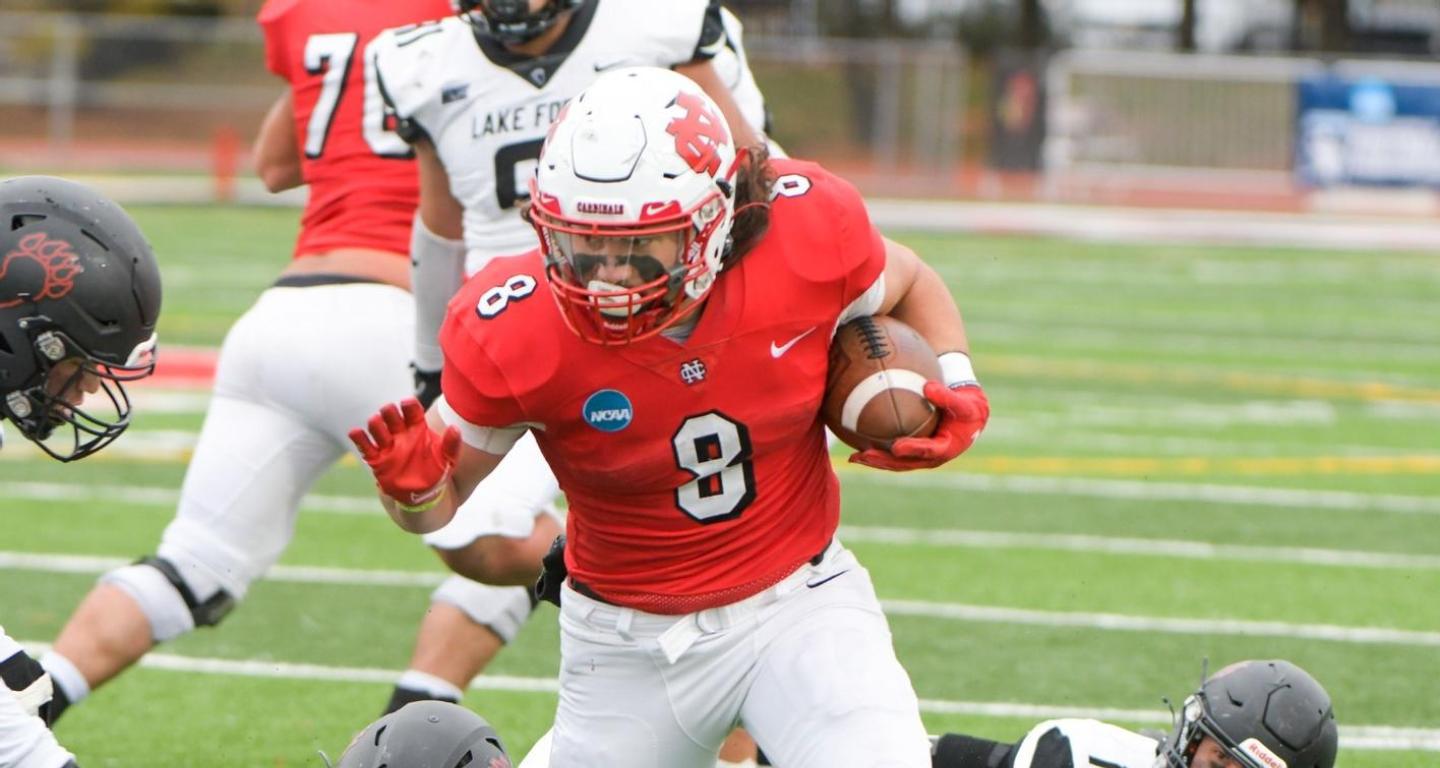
<point>1252,714</point>
<point>475,95</point>
<point>70,257</point>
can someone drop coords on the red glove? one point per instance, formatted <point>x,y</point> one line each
<point>963,413</point>
<point>411,463</point>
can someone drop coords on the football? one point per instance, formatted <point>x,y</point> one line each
<point>874,391</point>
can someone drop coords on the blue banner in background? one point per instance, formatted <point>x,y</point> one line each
<point>1367,131</point>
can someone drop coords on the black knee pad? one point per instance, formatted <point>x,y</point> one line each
<point>206,613</point>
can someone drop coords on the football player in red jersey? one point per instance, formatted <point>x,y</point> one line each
<point>476,93</point>
<point>286,390</point>
<point>673,379</point>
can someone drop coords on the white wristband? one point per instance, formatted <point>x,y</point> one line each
<point>957,371</point>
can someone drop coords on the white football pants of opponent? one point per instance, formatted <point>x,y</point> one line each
<point>296,372</point>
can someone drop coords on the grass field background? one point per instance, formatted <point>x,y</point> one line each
<point>1195,452</point>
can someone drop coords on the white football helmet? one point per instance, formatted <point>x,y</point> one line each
<point>643,153</point>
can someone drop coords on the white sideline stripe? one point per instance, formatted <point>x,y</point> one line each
<point>1169,625</point>
<point>953,611</point>
<point>1293,498</point>
<point>1371,737</point>
<point>1192,550</point>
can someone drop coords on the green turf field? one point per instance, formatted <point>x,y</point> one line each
<point>1218,453</point>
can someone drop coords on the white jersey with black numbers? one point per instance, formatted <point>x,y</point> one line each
<point>1075,743</point>
<point>487,110</point>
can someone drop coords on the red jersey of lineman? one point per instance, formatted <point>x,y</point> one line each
<point>363,188</point>
<point>696,474</point>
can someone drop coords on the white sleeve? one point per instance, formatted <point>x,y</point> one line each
<point>868,303</point>
<point>496,440</point>
<point>437,270</point>
<point>734,70</point>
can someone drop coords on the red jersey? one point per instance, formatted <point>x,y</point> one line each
<point>696,473</point>
<point>363,183</point>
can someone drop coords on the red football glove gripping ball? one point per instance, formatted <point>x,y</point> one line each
<point>410,462</point>
<point>963,414</point>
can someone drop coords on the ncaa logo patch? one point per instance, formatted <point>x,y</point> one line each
<point>607,410</point>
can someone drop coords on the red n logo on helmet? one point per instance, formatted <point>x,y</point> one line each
<point>699,134</point>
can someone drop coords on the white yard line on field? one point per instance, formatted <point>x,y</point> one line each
<point>1129,490</point>
<point>1170,548</point>
<point>936,537</point>
<point>1366,737</point>
<point>1144,490</point>
<point>1162,624</point>
<point>926,609</point>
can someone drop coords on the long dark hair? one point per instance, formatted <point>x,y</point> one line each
<point>754,181</point>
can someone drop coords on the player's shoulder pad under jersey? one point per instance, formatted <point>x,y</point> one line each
<point>502,331</point>
<point>826,219</point>
<point>415,63</point>
<point>505,300</point>
<point>685,30</point>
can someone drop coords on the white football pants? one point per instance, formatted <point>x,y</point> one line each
<point>297,371</point>
<point>807,666</point>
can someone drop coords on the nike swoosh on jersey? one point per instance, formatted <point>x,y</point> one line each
<point>776,350</point>
<point>831,577</point>
<point>610,64</point>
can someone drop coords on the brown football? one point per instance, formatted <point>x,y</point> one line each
<point>874,389</point>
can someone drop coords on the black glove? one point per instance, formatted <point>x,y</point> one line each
<point>552,573</point>
<point>427,386</point>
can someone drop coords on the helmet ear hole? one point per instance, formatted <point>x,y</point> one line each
<point>20,220</point>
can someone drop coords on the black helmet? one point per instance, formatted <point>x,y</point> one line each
<point>427,734</point>
<point>79,296</point>
<point>511,21</point>
<point>1265,714</point>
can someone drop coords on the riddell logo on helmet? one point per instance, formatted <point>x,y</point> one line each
<point>602,207</point>
<point>40,268</point>
<point>1262,753</point>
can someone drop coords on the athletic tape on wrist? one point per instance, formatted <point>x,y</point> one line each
<point>957,370</point>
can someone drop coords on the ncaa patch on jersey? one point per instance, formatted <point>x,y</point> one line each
<point>607,410</point>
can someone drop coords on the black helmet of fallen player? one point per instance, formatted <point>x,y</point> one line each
<point>511,22</point>
<point>79,296</point>
<point>1264,714</point>
<point>427,734</point>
